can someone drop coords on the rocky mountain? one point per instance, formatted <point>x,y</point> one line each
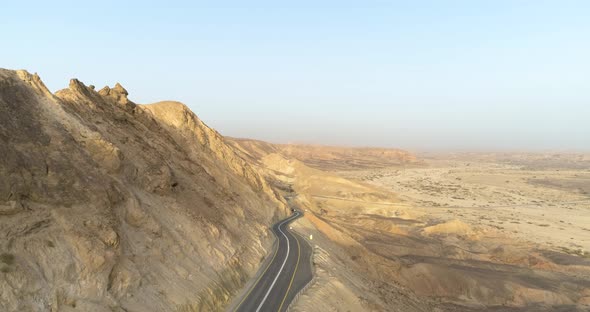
<point>108,205</point>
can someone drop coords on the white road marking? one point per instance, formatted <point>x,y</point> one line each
<point>282,266</point>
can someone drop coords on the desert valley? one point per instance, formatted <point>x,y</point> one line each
<point>109,205</point>
<point>444,232</point>
<point>295,156</point>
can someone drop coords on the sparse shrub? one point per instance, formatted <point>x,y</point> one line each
<point>7,258</point>
<point>5,269</point>
<point>208,202</point>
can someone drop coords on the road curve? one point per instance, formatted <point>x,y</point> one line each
<point>288,271</point>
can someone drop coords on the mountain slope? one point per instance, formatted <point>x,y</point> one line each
<point>106,205</point>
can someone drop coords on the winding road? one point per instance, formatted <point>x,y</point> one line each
<point>280,279</point>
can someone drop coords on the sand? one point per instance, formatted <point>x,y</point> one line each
<point>549,207</point>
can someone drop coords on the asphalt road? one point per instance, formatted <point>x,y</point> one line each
<point>279,280</point>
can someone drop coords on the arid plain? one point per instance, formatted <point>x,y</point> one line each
<point>519,195</point>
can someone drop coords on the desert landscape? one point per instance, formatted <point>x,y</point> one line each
<point>99,192</point>
<point>295,156</point>
<point>525,198</point>
<point>464,232</point>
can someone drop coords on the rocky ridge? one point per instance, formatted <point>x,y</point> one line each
<point>108,205</point>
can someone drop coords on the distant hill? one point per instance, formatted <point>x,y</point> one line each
<point>332,158</point>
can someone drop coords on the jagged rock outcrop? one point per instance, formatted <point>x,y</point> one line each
<point>107,205</point>
<point>117,94</point>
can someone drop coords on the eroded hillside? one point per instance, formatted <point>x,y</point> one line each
<point>106,205</point>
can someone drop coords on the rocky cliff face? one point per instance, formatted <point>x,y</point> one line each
<point>107,205</point>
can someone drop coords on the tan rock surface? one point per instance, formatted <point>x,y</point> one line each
<point>106,205</point>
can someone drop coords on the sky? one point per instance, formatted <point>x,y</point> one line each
<point>420,75</point>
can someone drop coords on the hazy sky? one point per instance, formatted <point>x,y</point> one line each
<point>412,74</point>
